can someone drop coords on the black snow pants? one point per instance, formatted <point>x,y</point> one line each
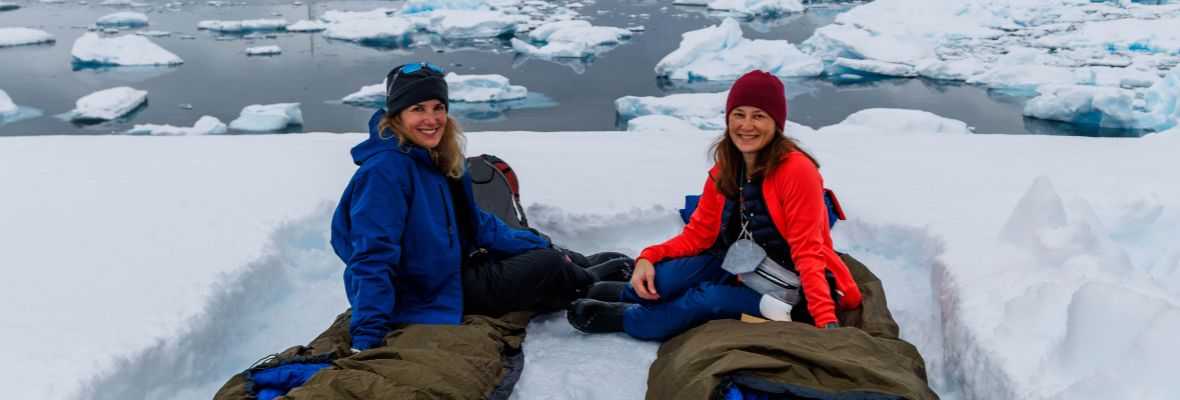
<point>541,279</point>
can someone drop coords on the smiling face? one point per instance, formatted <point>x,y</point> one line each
<point>425,122</point>
<point>750,129</point>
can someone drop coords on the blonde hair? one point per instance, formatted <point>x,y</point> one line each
<point>448,155</point>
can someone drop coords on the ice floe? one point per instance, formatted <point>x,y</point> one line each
<point>569,39</point>
<point>244,26</point>
<point>750,8</point>
<point>462,88</point>
<point>94,50</point>
<point>154,33</point>
<point>467,24</point>
<point>108,104</point>
<point>897,120</point>
<point>661,123</point>
<point>1106,107</point>
<point>373,27</point>
<point>306,26</point>
<point>264,50</point>
<point>705,111</point>
<point>128,19</point>
<point>20,36</point>
<point>720,52</point>
<point>206,125</point>
<point>874,67</point>
<point>7,106</point>
<point>268,117</point>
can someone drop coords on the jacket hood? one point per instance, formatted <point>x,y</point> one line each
<point>375,145</point>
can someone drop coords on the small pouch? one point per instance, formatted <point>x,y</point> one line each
<point>743,257</point>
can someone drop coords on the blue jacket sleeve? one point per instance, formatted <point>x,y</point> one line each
<point>493,234</point>
<point>379,209</point>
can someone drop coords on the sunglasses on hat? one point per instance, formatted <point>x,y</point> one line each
<point>410,68</point>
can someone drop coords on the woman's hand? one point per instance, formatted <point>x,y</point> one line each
<point>644,279</point>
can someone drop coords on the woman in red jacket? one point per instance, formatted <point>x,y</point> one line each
<point>761,181</point>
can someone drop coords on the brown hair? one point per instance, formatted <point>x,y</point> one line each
<point>729,159</point>
<point>448,155</point>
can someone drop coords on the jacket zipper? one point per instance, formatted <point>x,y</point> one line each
<point>447,210</point>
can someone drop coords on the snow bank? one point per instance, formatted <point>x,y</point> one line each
<point>264,50</point>
<point>206,125</point>
<point>108,104</point>
<point>897,120</point>
<point>93,50</point>
<point>7,106</point>
<point>123,19</point>
<point>721,53</point>
<point>482,88</point>
<point>243,26</point>
<point>24,36</point>
<point>705,111</point>
<point>268,117</point>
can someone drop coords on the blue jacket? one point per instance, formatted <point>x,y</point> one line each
<point>397,230</point>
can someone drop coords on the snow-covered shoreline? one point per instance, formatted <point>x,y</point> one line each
<point>144,240</point>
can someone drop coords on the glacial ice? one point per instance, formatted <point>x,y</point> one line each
<point>206,125</point>
<point>20,36</point>
<point>897,120</point>
<point>243,26</point>
<point>721,53</point>
<point>93,50</point>
<point>705,111</point>
<point>7,106</point>
<point>108,104</point>
<point>268,117</point>
<point>264,50</point>
<point>127,19</point>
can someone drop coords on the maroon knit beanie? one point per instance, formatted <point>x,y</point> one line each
<point>762,90</point>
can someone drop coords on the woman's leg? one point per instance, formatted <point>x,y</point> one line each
<point>539,279</point>
<point>677,275</point>
<point>700,304</point>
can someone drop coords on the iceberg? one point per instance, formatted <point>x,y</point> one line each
<point>268,117</point>
<point>1121,36</point>
<point>306,26</point>
<point>424,6</point>
<point>250,25</point>
<point>661,123</point>
<point>467,24</point>
<point>705,111</point>
<point>955,70</point>
<point>1162,104</point>
<point>108,104</point>
<point>482,88</point>
<point>874,67</point>
<point>126,19</point>
<point>837,40</point>
<point>721,53</point>
<point>552,50</point>
<point>367,96</point>
<point>570,39</point>
<point>897,120</point>
<point>752,8</point>
<point>20,36</point>
<point>7,106</point>
<point>1106,107</point>
<point>1023,78</point>
<point>206,125</point>
<point>383,30</point>
<point>154,33</point>
<point>264,50</point>
<point>91,50</point>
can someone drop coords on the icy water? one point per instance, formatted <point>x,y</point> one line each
<point>218,79</point>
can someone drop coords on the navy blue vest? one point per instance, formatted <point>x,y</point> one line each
<point>760,225</point>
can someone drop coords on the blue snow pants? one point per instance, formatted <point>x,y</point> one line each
<point>693,290</point>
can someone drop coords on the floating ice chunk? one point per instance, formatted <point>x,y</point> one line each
<point>1116,77</point>
<point>306,26</point>
<point>552,50</point>
<point>957,70</point>
<point>371,95</point>
<point>108,104</point>
<point>467,24</point>
<point>7,106</point>
<point>421,6</point>
<point>24,36</point>
<point>482,88</point>
<point>875,67</point>
<point>123,19</point>
<point>1107,107</point>
<point>386,30</point>
<point>93,50</point>
<point>206,125</point>
<point>264,50</point>
<point>1023,78</point>
<point>1162,103</point>
<point>706,111</point>
<point>1128,35</point>
<point>250,25</point>
<point>692,2</point>
<point>897,120</point>
<point>579,31</point>
<point>8,7</point>
<point>154,33</point>
<point>661,123</point>
<point>837,40</point>
<point>268,117</point>
<point>721,53</point>
<point>336,16</point>
<point>128,3</point>
<point>757,7</point>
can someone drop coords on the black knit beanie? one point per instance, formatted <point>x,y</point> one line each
<point>406,89</point>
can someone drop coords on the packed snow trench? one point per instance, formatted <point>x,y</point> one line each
<point>1020,266</point>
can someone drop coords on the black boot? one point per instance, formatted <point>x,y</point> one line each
<point>606,291</point>
<point>618,269</point>
<point>593,316</point>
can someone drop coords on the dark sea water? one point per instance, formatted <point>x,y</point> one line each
<point>218,79</point>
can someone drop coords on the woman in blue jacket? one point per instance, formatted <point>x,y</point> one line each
<point>418,248</point>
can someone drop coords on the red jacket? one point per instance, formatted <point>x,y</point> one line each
<point>794,196</point>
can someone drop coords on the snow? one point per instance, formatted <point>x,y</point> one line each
<point>123,19</point>
<point>7,106</point>
<point>108,104</point>
<point>19,36</point>
<point>751,8</point>
<point>482,88</point>
<point>705,111</point>
<point>206,125</point>
<point>721,53</point>
<point>897,120</point>
<point>264,50</point>
<point>267,117</point>
<point>1021,266</point>
<point>250,25</point>
<point>93,50</point>
<point>306,26</point>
